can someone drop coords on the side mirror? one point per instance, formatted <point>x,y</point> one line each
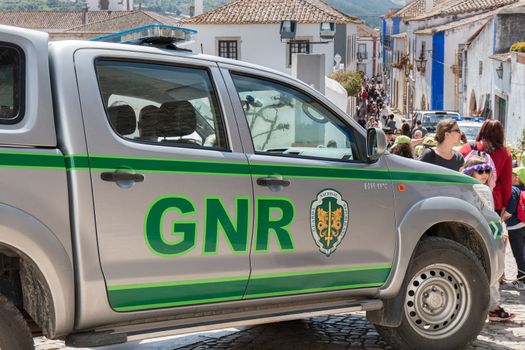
<point>375,144</point>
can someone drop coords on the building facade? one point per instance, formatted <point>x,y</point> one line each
<point>494,78</point>
<point>249,30</point>
<point>109,5</point>
<point>433,31</point>
<point>369,51</point>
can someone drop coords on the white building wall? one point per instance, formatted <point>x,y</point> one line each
<point>351,46</point>
<point>515,102</point>
<point>369,61</point>
<point>453,38</point>
<point>260,43</point>
<point>423,79</point>
<point>114,5</point>
<point>479,84</point>
<point>398,75</point>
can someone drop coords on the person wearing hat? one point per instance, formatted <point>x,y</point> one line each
<point>402,147</point>
<point>516,226</point>
<point>428,142</point>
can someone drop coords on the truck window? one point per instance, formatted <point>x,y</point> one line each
<point>161,104</point>
<point>286,121</point>
<point>11,78</point>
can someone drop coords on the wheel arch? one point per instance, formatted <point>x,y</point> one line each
<point>46,270</point>
<point>445,217</point>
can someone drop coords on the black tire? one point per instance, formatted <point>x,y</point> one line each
<point>446,299</point>
<point>14,331</point>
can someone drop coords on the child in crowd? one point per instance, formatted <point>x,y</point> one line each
<point>480,169</point>
<point>428,142</point>
<point>516,227</point>
<point>402,147</point>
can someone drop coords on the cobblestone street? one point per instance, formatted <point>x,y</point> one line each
<point>350,331</point>
<point>353,331</point>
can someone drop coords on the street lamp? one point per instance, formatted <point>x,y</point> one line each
<point>499,70</point>
<point>421,64</point>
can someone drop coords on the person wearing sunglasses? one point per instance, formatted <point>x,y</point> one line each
<point>491,140</point>
<point>478,168</point>
<point>448,135</point>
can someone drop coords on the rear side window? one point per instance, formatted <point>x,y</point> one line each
<point>161,104</point>
<point>11,84</point>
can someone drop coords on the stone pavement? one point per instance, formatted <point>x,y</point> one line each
<point>351,331</point>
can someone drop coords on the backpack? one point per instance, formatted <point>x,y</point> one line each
<point>475,152</point>
<point>520,210</point>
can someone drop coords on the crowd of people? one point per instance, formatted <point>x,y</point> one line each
<point>490,162</point>
<point>486,159</point>
<point>372,110</point>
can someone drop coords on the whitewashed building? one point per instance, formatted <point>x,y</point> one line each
<point>515,103</point>
<point>441,25</point>
<point>368,51</point>
<point>249,30</point>
<point>494,78</point>
<point>439,85</point>
<point>109,5</point>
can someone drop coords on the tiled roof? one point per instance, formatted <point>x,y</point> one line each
<point>271,11</point>
<point>503,57</point>
<point>416,8</point>
<point>456,7</point>
<point>455,24</point>
<point>54,20</point>
<point>365,31</point>
<point>507,57</point>
<point>475,5</point>
<point>131,19</point>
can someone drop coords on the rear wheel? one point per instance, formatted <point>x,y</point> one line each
<point>446,299</point>
<point>14,332</point>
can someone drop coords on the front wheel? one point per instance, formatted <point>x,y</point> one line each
<point>446,298</point>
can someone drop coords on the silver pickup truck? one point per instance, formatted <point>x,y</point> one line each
<point>149,191</point>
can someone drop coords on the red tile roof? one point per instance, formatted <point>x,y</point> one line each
<point>416,8</point>
<point>457,7</point>
<point>484,17</point>
<point>54,20</point>
<point>365,31</point>
<point>271,11</point>
<point>131,19</point>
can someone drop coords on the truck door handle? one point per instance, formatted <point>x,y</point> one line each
<point>272,181</point>
<point>116,176</point>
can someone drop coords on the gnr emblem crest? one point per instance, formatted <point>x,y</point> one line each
<point>328,220</point>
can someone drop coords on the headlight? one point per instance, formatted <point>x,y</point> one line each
<point>485,195</point>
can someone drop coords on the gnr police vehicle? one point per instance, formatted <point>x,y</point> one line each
<point>150,191</point>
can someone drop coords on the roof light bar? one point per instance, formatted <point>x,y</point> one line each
<point>158,35</point>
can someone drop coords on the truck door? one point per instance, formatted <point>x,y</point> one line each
<point>171,186</point>
<point>324,216</point>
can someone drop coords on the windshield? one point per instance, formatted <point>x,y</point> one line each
<point>430,120</point>
<point>471,131</point>
<point>433,119</point>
